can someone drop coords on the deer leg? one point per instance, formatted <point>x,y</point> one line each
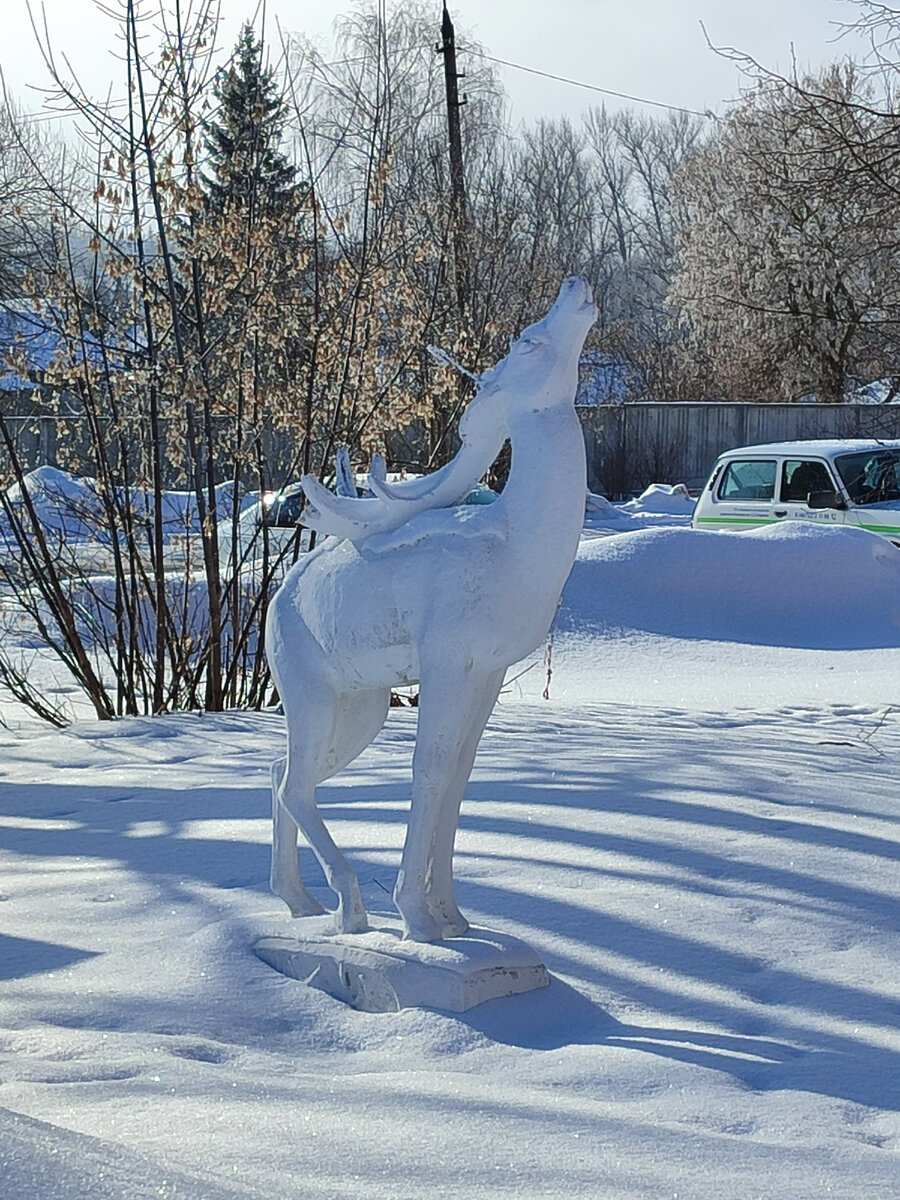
<point>448,707</point>
<point>324,738</point>
<point>285,878</point>
<point>439,890</point>
<point>299,799</point>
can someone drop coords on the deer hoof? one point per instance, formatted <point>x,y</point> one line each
<point>448,917</point>
<point>355,920</point>
<point>455,929</point>
<point>422,929</point>
<point>300,902</point>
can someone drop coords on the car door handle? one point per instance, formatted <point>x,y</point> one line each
<point>780,512</point>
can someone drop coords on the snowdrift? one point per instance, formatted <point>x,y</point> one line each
<point>62,503</point>
<point>795,584</point>
<point>661,499</point>
<point>659,504</point>
<point>71,506</point>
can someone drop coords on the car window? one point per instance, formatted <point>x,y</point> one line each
<point>871,476</point>
<point>289,510</point>
<point>802,476</point>
<point>750,479</point>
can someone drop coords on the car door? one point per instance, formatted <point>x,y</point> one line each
<point>799,478</point>
<point>743,495</point>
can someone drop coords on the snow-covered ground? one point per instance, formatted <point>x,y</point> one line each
<point>698,831</point>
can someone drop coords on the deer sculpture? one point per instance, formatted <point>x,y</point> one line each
<point>414,587</point>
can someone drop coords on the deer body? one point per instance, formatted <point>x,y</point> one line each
<point>450,599</point>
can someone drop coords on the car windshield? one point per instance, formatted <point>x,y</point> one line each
<point>872,476</point>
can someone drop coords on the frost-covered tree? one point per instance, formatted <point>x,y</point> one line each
<point>370,117</point>
<point>634,161</point>
<point>559,200</point>
<point>789,253</point>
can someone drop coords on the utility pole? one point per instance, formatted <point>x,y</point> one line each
<point>457,179</point>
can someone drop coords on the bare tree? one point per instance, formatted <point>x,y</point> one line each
<point>370,125</point>
<point>229,326</point>
<point>27,156</point>
<point>167,318</point>
<point>634,161</point>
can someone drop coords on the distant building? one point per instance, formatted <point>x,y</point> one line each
<point>29,332</point>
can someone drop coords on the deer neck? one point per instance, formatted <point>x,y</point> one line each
<point>544,495</point>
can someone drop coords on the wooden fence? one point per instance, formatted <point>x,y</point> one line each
<point>632,445</point>
<point>628,445</point>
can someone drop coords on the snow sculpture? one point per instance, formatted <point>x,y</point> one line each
<point>414,588</point>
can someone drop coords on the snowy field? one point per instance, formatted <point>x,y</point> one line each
<point>698,831</point>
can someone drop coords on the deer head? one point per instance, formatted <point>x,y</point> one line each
<point>541,369</point>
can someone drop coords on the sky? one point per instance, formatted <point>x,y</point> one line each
<point>652,49</point>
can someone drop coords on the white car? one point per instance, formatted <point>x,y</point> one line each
<point>840,482</point>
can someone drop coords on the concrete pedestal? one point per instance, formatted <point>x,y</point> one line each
<point>378,972</point>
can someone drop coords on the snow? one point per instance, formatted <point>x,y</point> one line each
<point>659,504</point>
<point>780,585</point>
<point>63,503</point>
<point>697,831</point>
<point>71,504</point>
<point>878,391</point>
<point>818,447</point>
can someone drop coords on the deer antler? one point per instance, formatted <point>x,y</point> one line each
<point>483,431</point>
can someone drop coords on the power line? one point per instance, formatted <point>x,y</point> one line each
<point>52,115</point>
<point>502,62</point>
<point>591,87</point>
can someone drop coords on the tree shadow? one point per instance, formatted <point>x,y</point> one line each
<point>20,957</point>
<point>561,1016</point>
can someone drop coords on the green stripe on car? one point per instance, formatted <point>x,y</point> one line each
<point>895,529</point>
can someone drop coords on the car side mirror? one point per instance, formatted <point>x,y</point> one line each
<point>828,499</point>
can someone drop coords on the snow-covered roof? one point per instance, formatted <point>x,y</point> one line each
<point>816,447</point>
<point>878,391</point>
<point>31,328</point>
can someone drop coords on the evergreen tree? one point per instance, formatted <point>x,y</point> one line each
<point>248,249</point>
<point>245,168</point>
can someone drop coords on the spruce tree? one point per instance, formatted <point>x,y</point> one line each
<point>245,167</point>
<point>249,246</point>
